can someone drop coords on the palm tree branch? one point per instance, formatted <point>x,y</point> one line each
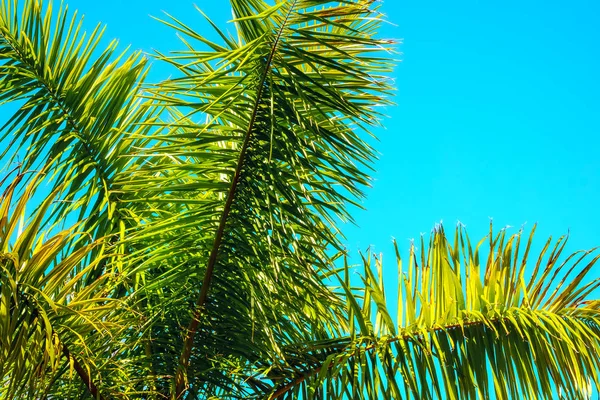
<point>422,338</point>
<point>97,162</point>
<point>208,275</point>
<point>457,325</point>
<point>298,172</point>
<point>74,103</point>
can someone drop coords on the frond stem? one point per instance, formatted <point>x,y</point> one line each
<point>279,393</point>
<point>85,377</point>
<point>195,322</point>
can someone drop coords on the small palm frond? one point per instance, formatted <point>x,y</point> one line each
<point>262,152</point>
<point>465,328</point>
<point>55,332</point>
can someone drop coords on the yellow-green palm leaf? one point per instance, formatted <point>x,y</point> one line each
<point>56,325</point>
<point>507,326</point>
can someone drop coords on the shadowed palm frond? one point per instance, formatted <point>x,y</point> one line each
<point>465,328</point>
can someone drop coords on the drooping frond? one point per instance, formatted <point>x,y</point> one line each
<point>263,151</point>
<point>56,333</point>
<point>506,326</point>
<point>78,117</point>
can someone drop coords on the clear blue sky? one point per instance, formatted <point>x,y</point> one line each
<point>498,113</point>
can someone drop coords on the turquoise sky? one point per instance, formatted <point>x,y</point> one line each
<point>498,113</point>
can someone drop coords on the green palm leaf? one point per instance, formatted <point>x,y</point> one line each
<point>55,330</point>
<point>75,102</point>
<point>259,157</point>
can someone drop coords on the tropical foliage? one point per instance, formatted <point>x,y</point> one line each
<point>174,240</point>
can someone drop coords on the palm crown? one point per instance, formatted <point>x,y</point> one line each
<point>199,264</point>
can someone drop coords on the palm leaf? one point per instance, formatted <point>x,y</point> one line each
<point>259,154</point>
<point>78,118</point>
<point>75,102</point>
<point>54,331</point>
<point>465,329</point>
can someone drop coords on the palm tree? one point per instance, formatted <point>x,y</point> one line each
<point>175,240</point>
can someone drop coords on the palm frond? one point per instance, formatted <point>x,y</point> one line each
<point>465,329</point>
<point>78,118</point>
<point>261,154</point>
<point>74,102</point>
<point>55,331</point>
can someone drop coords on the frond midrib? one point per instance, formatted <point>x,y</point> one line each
<point>98,163</point>
<point>194,324</point>
<point>373,343</point>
